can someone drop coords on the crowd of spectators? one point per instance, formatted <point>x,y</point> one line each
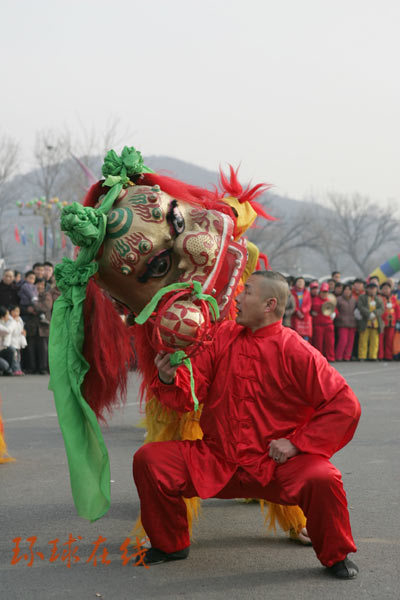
<point>355,320</point>
<point>25,312</point>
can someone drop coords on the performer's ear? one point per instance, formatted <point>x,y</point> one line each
<point>270,305</point>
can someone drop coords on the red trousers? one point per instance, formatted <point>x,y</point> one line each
<point>386,344</point>
<point>344,347</point>
<point>310,481</point>
<point>324,340</point>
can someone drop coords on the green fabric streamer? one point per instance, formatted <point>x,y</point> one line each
<point>86,452</point>
<point>179,357</point>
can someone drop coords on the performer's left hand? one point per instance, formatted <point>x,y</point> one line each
<point>281,450</point>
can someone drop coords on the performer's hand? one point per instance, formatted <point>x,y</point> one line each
<point>299,314</point>
<point>165,371</point>
<point>282,449</point>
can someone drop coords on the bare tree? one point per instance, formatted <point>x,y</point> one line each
<point>9,161</point>
<point>51,149</point>
<point>93,142</point>
<point>361,228</point>
<point>58,174</point>
<point>282,239</point>
<point>350,230</point>
<point>88,148</point>
<point>50,152</point>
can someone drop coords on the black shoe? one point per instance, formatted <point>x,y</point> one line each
<point>153,556</point>
<point>344,569</point>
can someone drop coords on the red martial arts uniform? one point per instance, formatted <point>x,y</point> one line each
<point>256,387</point>
<point>323,337</point>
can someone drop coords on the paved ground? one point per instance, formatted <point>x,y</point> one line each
<point>232,556</point>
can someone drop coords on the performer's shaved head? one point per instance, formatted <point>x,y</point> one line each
<point>274,285</point>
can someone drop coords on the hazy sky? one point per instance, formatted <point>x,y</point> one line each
<point>304,94</point>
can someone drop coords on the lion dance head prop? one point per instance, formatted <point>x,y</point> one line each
<point>170,254</point>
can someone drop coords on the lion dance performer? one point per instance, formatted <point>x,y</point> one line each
<point>174,256</point>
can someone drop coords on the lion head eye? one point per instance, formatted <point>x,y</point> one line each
<point>175,218</point>
<point>158,266</point>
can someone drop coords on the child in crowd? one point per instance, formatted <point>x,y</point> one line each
<point>28,292</point>
<point>8,365</point>
<point>18,339</point>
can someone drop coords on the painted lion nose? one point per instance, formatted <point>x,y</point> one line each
<point>183,264</point>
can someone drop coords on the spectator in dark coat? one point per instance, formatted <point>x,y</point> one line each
<point>37,332</point>
<point>8,290</point>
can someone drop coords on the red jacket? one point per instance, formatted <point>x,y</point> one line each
<point>319,318</point>
<point>391,314</point>
<point>303,326</point>
<point>257,387</point>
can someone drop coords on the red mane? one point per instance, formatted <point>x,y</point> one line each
<point>211,200</point>
<point>108,350</point>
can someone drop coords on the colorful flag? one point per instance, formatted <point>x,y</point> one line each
<point>23,236</point>
<point>41,239</point>
<point>16,234</point>
<point>63,241</point>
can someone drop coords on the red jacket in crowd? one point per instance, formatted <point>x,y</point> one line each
<point>392,312</point>
<point>319,318</point>
<point>303,325</point>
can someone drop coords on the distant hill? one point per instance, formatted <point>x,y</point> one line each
<point>70,185</point>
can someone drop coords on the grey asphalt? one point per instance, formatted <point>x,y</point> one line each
<point>232,556</point>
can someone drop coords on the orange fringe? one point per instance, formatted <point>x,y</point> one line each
<point>4,457</point>
<point>289,518</point>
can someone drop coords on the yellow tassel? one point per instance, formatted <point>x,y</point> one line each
<point>4,458</point>
<point>289,518</point>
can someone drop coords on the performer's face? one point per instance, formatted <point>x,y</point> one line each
<point>251,303</point>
